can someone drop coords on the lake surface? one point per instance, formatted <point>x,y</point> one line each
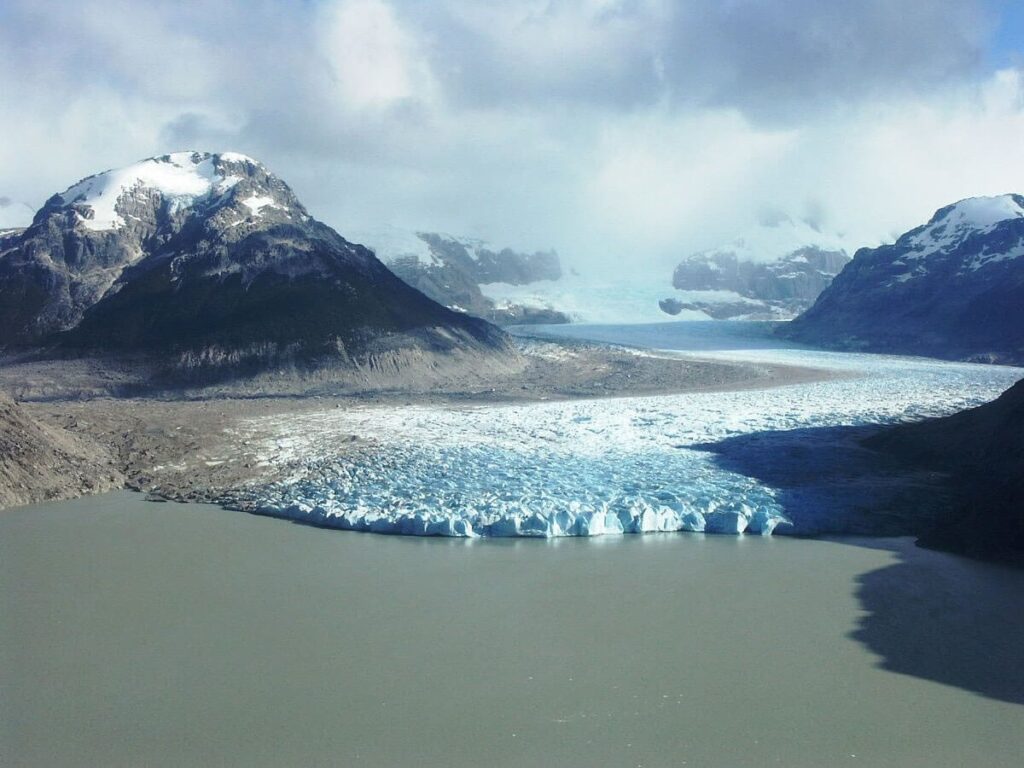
<point>135,633</point>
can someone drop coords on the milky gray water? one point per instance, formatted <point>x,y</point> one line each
<point>135,633</point>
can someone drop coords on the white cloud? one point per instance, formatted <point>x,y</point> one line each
<point>565,123</point>
<point>661,180</point>
<point>374,60</point>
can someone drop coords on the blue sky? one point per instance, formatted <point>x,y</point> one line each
<point>1007,43</point>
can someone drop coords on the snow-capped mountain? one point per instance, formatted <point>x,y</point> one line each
<point>952,288</point>
<point>213,258</point>
<point>773,272</point>
<point>454,270</point>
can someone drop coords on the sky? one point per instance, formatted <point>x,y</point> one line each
<point>620,132</point>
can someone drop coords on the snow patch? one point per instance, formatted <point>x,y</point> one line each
<point>256,203</point>
<point>238,157</point>
<point>954,224</point>
<point>181,177</point>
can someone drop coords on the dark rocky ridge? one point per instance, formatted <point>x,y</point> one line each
<point>981,451</point>
<point>952,288</point>
<point>230,276</point>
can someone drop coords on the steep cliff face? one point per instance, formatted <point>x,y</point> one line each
<point>952,288</point>
<point>211,259</point>
<point>773,272</point>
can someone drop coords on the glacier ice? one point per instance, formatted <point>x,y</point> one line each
<point>589,467</point>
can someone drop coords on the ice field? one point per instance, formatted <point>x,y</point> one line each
<point>607,466</point>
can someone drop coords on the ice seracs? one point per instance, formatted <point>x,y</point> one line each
<point>600,467</point>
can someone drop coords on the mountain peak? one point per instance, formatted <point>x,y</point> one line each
<point>952,224</point>
<point>180,178</point>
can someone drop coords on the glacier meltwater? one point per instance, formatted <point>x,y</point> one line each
<point>596,467</point>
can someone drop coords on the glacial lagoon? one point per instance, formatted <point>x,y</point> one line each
<point>137,633</point>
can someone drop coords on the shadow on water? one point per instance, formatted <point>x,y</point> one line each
<point>933,616</point>
<point>947,619</point>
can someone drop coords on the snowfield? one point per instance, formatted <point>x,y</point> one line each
<point>180,176</point>
<point>593,467</point>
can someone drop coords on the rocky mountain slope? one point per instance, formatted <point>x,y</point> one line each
<point>452,270</point>
<point>39,462</point>
<point>210,262</point>
<point>982,452</point>
<point>774,272</point>
<point>952,288</point>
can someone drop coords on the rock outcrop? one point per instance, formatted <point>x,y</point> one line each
<point>981,451</point>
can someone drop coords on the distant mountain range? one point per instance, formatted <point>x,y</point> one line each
<point>952,288</point>
<point>210,262</point>
<point>773,272</point>
<point>452,270</point>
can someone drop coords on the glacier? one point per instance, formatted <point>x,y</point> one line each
<point>593,467</point>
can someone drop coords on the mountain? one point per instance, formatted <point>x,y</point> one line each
<point>981,450</point>
<point>952,288</point>
<point>452,270</point>
<point>211,262</point>
<point>774,272</point>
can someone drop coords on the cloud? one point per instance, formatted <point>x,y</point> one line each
<point>611,129</point>
<point>768,58</point>
<point>373,59</point>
